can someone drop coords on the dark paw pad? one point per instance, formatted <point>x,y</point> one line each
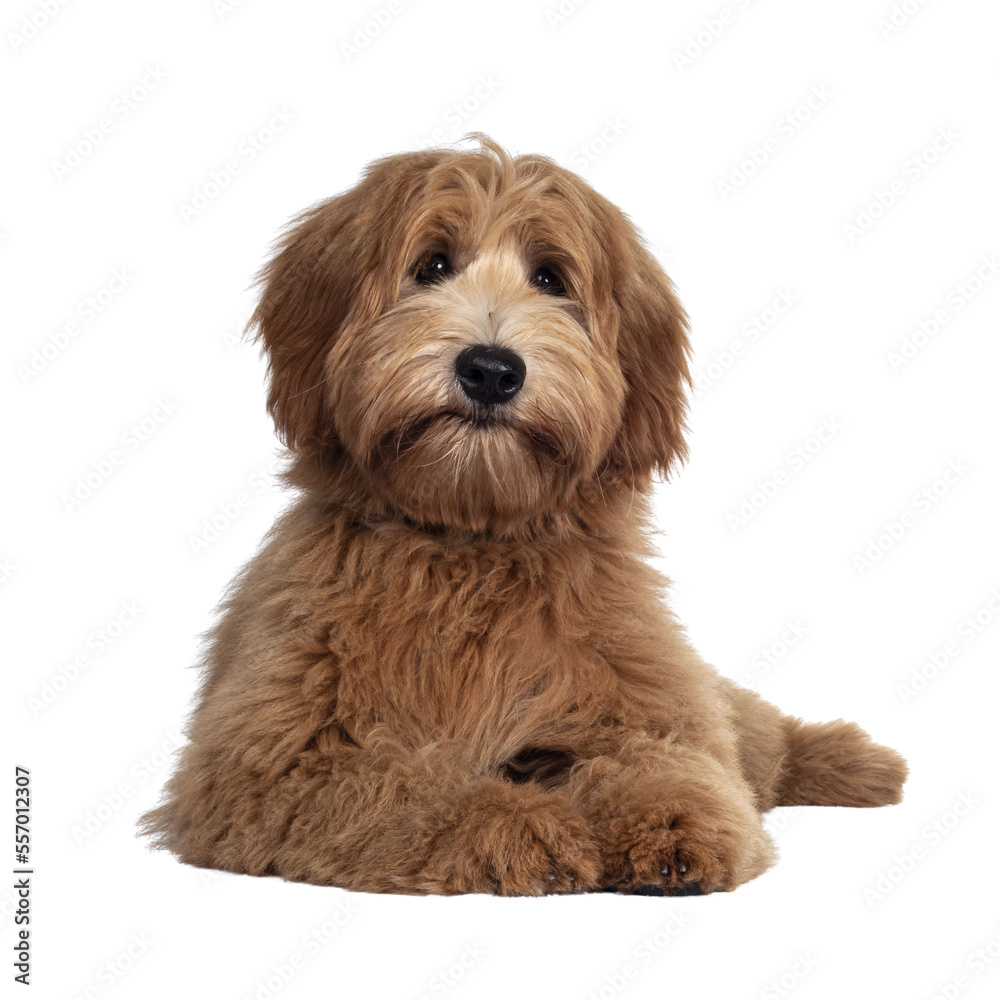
<point>649,889</point>
<point>688,889</point>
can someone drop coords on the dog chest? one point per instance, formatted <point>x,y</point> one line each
<point>461,643</point>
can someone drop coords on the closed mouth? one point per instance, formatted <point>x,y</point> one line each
<point>408,434</point>
<point>404,437</point>
<point>483,421</point>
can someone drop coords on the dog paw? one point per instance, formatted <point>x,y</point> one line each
<point>511,844</point>
<point>682,854</point>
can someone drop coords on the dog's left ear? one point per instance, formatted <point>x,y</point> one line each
<point>653,354</point>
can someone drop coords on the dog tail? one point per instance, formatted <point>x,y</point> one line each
<point>837,764</point>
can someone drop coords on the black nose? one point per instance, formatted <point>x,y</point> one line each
<point>489,374</point>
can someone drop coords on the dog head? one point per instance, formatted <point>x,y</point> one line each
<point>481,337</point>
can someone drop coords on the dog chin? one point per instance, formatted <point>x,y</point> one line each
<point>458,470</point>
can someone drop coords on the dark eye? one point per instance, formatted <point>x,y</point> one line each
<point>546,280</point>
<point>431,269</point>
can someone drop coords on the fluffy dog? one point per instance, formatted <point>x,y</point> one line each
<point>450,668</point>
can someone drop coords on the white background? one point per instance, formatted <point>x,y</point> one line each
<point>887,903</point>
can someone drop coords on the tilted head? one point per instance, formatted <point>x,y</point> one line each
<point>481,339</point>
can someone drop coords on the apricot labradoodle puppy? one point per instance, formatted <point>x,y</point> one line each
<point>450,668</point>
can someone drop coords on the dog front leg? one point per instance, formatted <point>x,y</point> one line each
<point>379,818</point>
<point>416,822</point>
<point>670,819</point>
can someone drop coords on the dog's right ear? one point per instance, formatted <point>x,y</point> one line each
<point>335,265</point>
<point>310,286</point>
